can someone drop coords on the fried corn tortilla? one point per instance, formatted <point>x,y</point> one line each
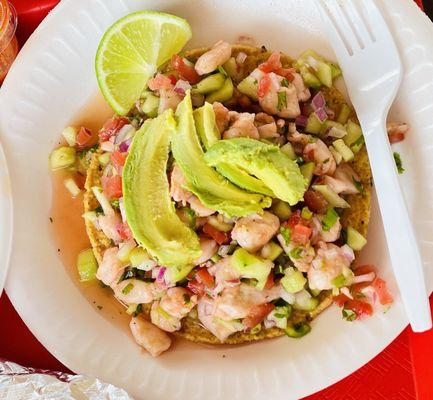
<point>357,215</point>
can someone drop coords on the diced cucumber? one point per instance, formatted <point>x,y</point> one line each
<point>307,171</point>
<point>354,239</point>
<point>281,209</point>
<point>354,132</point>
<point>280,314</point>
<point>344,114</point>
<point>304,301</point>
<point>63,157</point>
<point>132,309</point>
<point>150,105</point>
<point>70,135</point>
<point>309,78</point>
<point>357,144</point>
<point>220,225</point>
<point>339,281</point>
<point>256,329</point>
<point>223,94</point>
<point>288,150</point>
<point>72,187</point>
<point>310,53</point>
<point>231,67</point>
<point>271,251</point>
<point>250,266</point>
<point>298,330</point>
<point>125,250</point>
<point>306,213</point>
<point>314,125</point>
<point>210,84</point>
<point>337,156</point>
<point>315,292</point>
<point>329,219</point>
<point>335,70</point>
<point>293,281</point>
<point>138,256</point>
<point>324,73</point>
<point>344,150</point>
<point>104,159</point>
<point>330,196</point>
<point>333,128</point>
<point>249,86</point>
<point>87,265</point>
<point>215,258</point>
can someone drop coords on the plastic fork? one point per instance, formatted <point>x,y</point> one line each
<point>372,70</point>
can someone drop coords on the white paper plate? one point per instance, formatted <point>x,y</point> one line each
<point>53,77</point>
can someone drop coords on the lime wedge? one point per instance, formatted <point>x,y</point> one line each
<point>131,51</point>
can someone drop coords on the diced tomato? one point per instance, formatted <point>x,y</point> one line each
<point>360,308</point>
<point>301,234</point>
<point>118,159</point>
<point>80,180</point>
<point>196,287</point>
<point>203,276</point>
<point>294,219</point>
<point>396,137</point>
<point>270,281</point>
<point>84,137</point>
<point>379,286</point>
<point>215,234</point>
<point>112,187</point>
<point>173,79</point>
<point>257,314</point>
<point>341,299</point>
<point>111,127</point>
<point>160,81</point>
<point>272,64</point>
<point>185,71</point>
<point>364,269</point>
<point>264,86</point>
<point>309,155</point>
<point>315,201</point>
<point>356,289</point>
<point>286,73</point>
<point>124,231</point>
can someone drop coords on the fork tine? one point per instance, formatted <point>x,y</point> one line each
<point>358,24</point>
<point>375,20</point>
<point>337,39</point>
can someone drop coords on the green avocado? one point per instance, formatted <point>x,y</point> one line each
<point>213,190</point>
<point>207,129</point>
<point>265,161</point>
<point>148,206</point>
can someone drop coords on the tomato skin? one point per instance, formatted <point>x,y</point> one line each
<point>84,137</point>
<point>315,201</point>
<point>112,187</point>
<point>272,64</point>
<point>215,234</point>
<point>203,276</point>
<point>257,314</point>
<point>285,73</point>
<point>396,137</point>
<point>111,127</point>
<point>379,286</point>
<point>264,86</point>
<point>118,159</point>
<point>301,234</point>
<point>270,282</point>
<point>196,287</point>
<point>364,269</point>
<point>360,308</point>
<point>294,219</point>
<point>124,231</point>
<point>340,299</point>
<point>185,71</point>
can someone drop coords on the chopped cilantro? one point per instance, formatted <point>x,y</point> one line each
<point>278,315</point>
<point>99,211</point>
<point>348,315</point>
<point>398,162</point>
<point>282,101</point>
<point>138,309</point>
<point>285,233</point>
<point>358,142</point>
<point>186,298</point>
<point>285,82</point>
<point>296,253</point>
<point>358,185</point>
<point>115,203</point>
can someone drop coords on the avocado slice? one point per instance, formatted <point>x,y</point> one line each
<point>267,162</point>
<point>148,206</point>
<point>207,129</point>
<point>213,190</point>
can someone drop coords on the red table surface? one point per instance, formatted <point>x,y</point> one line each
<point>402,371</point>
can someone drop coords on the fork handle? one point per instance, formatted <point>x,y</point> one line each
<point>402,244</point>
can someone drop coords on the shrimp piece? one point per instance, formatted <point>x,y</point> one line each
<point>397,130</point>
<point>254,231</point>
<point>162,319</point>
<point>111,268</point>
<point>302,91</point>
<point>168,98</point>
<point>178,302</point>
<point>222,118</point>
<point>213,58</point>
<point>160,81</point>
<point>177,184</point>
<point>344,180</point>
<point>149,336</point>
<point>304,256</point>
<point>319,152</point>
<point>242,126</point>
<point>266,126</point>
<point>320,235</point>
<point>208,248</point>
<point>134,291</point>
<point>109,224</point>
<point>225,275</point>
<point>269,102</point>
<point>199,208</point>
<point>329,262</point>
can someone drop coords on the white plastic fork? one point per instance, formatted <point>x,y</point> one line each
<point>372,70</point>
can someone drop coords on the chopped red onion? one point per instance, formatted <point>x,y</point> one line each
<point>302,120</point>
<point>160,276</point>
<point>346,292</point>
<point>124,146</point>
<point>241,57</point>
<point>182,86</point>
<point>318,101</point>
<point>321,114</point>
<point>364,278</point>
<point>336,132</point>
<point>330,112</point>
<point>124,133</point>
<point>107,146</point>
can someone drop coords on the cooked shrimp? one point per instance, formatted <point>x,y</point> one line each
<point>213,58</point>
<point>109,224</point>
<point>344,180</point>
<point>395,128</point>
<point>242,126</point>
<point>162,319</point>
<point>168,98</point>
<point>266,126</point>
<point>111,268</point>
<point>134,291</point>
<point>149,336</point>
<point>323,158</point>
<point>208,248</point>
<point>221,116</point>
<point>304,256</point>
<point>199,208</point>
<point>319,234</point>
<point>329,262</point>
<point>254,231</point>
<point>177,186</point>
<point>178,302</point>
<point>225,275</point>
<point>302,91</point>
